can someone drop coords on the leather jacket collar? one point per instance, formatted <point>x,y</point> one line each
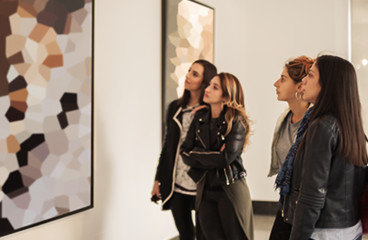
<point>203,132</point>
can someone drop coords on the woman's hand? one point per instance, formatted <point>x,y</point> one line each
<point>222,147</point>
<point>156,192</point>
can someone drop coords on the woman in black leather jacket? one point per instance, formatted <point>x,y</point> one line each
<point>172,183</point>
<point>213,148</point>
<point>328,172</point>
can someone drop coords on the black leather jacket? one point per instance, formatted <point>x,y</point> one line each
<point>198,152</point>
<point>325,188</point>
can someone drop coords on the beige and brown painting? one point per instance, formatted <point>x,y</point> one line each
<point>45,110</point>
<point>189,35</point>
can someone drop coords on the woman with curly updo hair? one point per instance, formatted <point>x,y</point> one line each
<point>213,148</point>
<point>288,89</point>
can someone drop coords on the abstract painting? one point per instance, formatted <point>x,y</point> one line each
<point>46,103</point>
<point>188,35</point>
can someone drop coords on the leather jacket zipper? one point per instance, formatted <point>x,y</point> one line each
<point>283,208</point>
<point>231,174</point>
<point>227,179</point>
<point>200,139</point>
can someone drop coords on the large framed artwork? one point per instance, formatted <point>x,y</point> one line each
<point>187,35</point>
<point>46,109</point>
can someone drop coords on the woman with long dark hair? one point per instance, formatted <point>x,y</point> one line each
<point>213,148</point>
<point>172,183</point>
<point>322,178</point>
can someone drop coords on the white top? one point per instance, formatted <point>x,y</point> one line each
<point>287,138</point>
<point>183,183</point>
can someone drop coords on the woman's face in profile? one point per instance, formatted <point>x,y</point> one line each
<point>213,93</point>
<point>285,87</point>
<point>194,77</point>
<point>311,86</point>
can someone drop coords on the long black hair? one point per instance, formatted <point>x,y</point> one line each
<point>339,96</point>
<point>209,72</point>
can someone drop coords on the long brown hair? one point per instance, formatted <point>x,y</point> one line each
<point>209,72</point>
<point>234,100</point>
<point>339,96</point>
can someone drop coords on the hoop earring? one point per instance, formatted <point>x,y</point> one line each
<point>298,96</point>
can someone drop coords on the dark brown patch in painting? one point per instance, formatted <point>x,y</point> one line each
<point>7,8</point>
<point>18,83</point>
<point>21,106</point>
<point>16,58</point>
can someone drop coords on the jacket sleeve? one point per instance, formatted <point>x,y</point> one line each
<point>206,159</point>
<point>318,151</point>
<point>169,115</point>
<point>188,143</point>
<point>275,165</point>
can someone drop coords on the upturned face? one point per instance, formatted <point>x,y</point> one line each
<point>311,87</point>
<point>194,77</point>
<point>286,87</point>
<point>213,93</point>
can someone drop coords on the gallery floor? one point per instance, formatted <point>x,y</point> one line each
<point>263,225</point>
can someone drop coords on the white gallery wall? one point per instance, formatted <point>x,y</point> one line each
<point>253,39</point>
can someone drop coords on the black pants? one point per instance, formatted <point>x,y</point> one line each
<point>217,217</point>
<point>181,207</point>
<point>280,230</point>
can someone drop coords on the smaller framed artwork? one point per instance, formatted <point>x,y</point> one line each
<point>187,35</point>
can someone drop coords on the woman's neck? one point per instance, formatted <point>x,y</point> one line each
<point>216,110</point>
<point>194,98</point>
<point>298,108</point>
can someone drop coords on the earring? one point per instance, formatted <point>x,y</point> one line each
<point>298,95</point>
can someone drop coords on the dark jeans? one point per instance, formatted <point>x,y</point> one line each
<point>181,207</point>
<point>217,218</point>
<point>280,230</point>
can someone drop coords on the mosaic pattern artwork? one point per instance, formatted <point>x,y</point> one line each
<point>188,36</point>
<point>45,111</point>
